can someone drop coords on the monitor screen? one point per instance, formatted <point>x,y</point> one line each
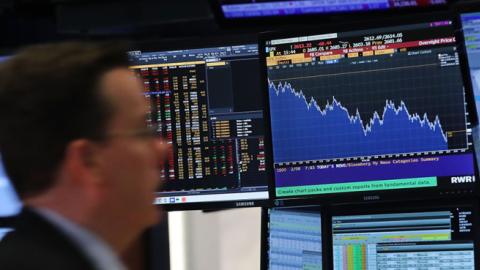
<point>369,111</point>
<point>234,9</point>
<point>471,32</point>
<point>441,239</point>
<point>9,203</point>
<point>206,103</point>
<point>3,232</point>
<point>294,238</point>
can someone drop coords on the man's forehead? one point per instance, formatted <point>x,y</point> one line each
<point>123,90</point>
<point>118,79</point>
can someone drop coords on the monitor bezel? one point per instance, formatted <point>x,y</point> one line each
<point>210,41</point>
<point>381,195</point>
<point>314,18</point>
<point>156,244</point>
<point>406,207</point>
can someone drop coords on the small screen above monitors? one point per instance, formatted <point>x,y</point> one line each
<point>206,102</point>
<point>441,239</point>
<point>294,238</point>
<point>369,111</point>
<point>235,9</point>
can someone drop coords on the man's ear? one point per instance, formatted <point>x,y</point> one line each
<point>81,158</point>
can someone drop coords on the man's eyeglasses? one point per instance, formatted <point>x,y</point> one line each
<point>149,132</point>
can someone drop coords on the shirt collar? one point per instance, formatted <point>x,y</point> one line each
<point>100,254</point>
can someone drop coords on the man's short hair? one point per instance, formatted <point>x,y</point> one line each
<point>49,96</point>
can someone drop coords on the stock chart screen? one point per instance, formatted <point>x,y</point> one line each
<point>368,111</point>
<point>205,102</point>
<point>266,8</point>
<point>441,239</point>
<point>294,238</point>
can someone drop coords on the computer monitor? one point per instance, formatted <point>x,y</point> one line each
<point>369,111</point>
<point>243,9</point>
<point>4,231</point>
<point>206,102</point>
<point>428,238</point>
<point>470,18</point>
<point>10,205</point>
<point>292,238</point>
<point>471,31</point>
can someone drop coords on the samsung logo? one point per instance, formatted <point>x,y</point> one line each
<point>371,198</point>
<point>245,204</point>
<point>462,179</point>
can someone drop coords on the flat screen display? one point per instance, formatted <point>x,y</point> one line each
<point>471,32</point>
<point>367,111</point>
<point>9,203</point>
<point>206,102</point>
<point>234,9</point>
<point>442,239</point>
<point>294,238</point>
<point>3,232</point>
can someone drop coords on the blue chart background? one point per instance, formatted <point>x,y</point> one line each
<point>305,130</point>
<point>358,107</point>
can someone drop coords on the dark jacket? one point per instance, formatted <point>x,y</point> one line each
<point>37,244</point>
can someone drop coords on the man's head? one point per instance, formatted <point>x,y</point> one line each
<point>73,130</point>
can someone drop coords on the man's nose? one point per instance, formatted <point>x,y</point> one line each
<point>162,148</point>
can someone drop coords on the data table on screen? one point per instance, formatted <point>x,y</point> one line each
<point>416,240</point>
<point>212,117</point>
<point>294,239</point>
